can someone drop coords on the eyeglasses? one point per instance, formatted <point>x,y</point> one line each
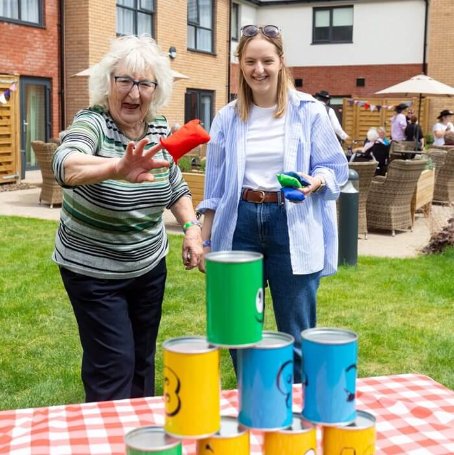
<point>125,84</point>
<point>271,31</point>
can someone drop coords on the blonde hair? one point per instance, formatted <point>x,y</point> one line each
<point>138,54</point>
<point>284,82</point>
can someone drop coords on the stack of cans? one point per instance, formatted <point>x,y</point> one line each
<point>192,383</point>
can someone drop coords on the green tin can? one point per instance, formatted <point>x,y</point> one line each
<point>151,441</point>
<point>234,298</point>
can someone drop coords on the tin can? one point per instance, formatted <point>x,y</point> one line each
<point>231,439</point>
<point>192,387</point>
<point>329,375</point>
<point>354,439</point>
<point>265,379</point>
<point>234,298</point>
<point>151,440</point>
<point>299,439</point>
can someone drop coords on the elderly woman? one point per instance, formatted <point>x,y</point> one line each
<point>111,243</point>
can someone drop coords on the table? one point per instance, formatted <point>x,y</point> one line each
<point>415,416</point>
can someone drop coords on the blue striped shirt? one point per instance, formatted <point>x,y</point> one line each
<point>310,147</point>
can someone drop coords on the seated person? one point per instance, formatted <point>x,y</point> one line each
<point>382,135</point>
<point>374,149</point>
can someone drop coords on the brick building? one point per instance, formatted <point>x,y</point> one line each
<point>379,43</point>
<point>356,48</point>
<point>51,41</point>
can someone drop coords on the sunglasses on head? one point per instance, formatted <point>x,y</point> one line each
<point>271,31</point>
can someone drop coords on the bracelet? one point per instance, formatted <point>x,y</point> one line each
<point>321,186</point>
<point>191,223</point>
<point>206,243</point>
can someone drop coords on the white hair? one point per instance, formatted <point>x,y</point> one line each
<point>138,54</point>
<point>372,134</point>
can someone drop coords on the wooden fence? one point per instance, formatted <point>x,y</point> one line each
<point>9,132</point>
<point>356,120</point>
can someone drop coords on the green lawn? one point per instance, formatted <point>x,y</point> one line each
<point>402,310</point>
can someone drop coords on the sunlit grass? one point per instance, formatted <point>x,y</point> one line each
<point>402,310</point>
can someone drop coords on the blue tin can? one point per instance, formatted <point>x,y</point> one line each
<point>329,375</point>
<point>265,379</point>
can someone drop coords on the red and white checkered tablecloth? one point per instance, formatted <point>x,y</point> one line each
<point>415,416</point>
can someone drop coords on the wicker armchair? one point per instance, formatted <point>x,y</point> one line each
<point>438,158</point>
<point>51,192</point>
<point>366,172</point>
<point>444,176</point>
<point>389,199</point>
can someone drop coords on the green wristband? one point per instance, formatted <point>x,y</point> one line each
<point>191,223</point>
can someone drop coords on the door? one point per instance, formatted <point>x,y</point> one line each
<point>35,115</point>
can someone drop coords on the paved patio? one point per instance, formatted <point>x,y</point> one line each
<point>404,244</point>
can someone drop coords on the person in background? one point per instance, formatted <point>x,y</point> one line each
<point>443,125</point>
<point>111,244</point>
<point>269,129</point>
<point>374,149</point>
<point>382,135</point>
<point>325,97</point>
<point>414,133</point>
<point>398,123</point>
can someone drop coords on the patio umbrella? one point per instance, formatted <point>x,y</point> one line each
<point>176,75</point>
<point>419,85</point>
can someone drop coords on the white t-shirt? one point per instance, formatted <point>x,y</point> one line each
<point>264,149</point>
<point>441,127</point>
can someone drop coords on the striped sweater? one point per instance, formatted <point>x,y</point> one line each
<point>113,229</point>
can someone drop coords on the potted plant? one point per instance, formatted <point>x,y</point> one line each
<point>192,166</point>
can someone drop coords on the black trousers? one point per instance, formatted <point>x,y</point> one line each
<point>118,324</point>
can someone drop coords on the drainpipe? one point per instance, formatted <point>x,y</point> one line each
<point>62,66</point>
<point>229,41</point>
<point>426,26</point>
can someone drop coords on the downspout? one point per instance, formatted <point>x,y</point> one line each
<point>426,26</point>
<point>62,66</point>
<point>229,41</point>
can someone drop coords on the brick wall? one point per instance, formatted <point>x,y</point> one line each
<point>440,51</point>
<point>341,80</point>
<point>34,52</point>
<point>90,25</point>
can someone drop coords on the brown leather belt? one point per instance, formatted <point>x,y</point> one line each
<point>260,197</point>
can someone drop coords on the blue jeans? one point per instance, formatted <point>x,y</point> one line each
<point>263,228</point>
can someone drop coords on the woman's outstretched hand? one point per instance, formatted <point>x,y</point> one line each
<point>135,165</point>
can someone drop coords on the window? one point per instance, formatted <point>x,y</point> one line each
<point>135,17</point>
<point>199,104</point>
<point>235,21</point>
<point>200,25</point>
<point>26,11</point>
<point>333,25</point>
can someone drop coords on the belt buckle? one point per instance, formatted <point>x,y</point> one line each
<point>263,195</point>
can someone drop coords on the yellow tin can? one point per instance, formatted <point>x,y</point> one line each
<point>231,439</point>
<point>298,439</point>
<point>358,438</point>
<point>192,387</point>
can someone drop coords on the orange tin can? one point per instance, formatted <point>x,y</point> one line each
<point>192,387</point>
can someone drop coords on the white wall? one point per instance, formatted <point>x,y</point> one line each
<point>384,32</point>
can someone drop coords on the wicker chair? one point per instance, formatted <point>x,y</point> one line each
<point>51,192</point>
<point>389,199</point>
<point>444,176</point>
<point>366,172</point>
